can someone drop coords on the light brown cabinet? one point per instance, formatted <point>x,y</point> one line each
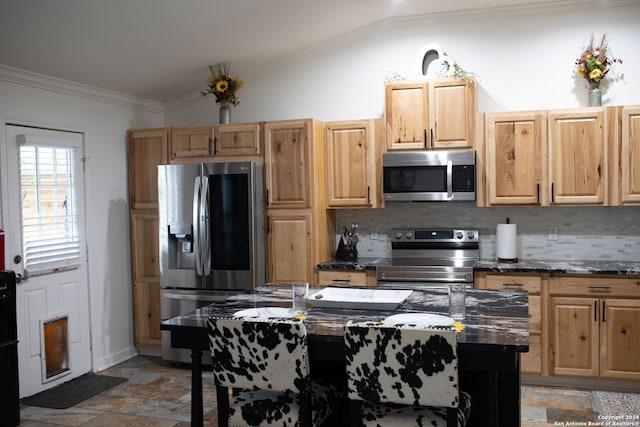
<point>430,114</point>
<point>289,246</point>
<point>190,142</point>
<point>146,278</point>
<point>241,139</point>
<point>579,157</point>
<point>205,143</point>
<point>300,230</point>
<point>531,362</point>
<point>289,164</point>
<point>595,327</point>
<point>630,155</point>
<point>146,150</point>
<point>353,158</point>
<point>578,172</point>
<point>516,151</point>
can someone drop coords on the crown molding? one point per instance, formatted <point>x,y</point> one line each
<point>52,84</point>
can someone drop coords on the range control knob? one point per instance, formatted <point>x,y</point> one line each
<point>470,235</point>
<point>398,235</point>
<point>459,234</point>
<point>409,235</point>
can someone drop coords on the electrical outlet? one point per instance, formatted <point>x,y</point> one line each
<point>553,233</point>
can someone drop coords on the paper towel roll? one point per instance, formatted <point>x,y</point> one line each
<point>506,245</point>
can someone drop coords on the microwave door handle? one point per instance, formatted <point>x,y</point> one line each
<point>206,235</point>
<point>196,226</point>
<point>449,179</point>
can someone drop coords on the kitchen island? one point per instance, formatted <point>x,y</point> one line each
<point>496,331</point>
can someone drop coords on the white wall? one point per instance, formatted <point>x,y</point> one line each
<point>104,118</point>
<point>522,61</point>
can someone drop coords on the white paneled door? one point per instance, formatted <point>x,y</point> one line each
<point>47,250</point>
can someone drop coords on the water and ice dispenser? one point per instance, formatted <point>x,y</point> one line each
<point>181,254</point>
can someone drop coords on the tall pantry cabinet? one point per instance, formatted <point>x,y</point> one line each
<point>300,231</point>
<point>146,150</point>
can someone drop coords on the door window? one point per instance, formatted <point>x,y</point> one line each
<point>49,211</point>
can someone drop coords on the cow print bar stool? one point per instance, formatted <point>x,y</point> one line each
<point>267,360</point>
<point>403,376</point>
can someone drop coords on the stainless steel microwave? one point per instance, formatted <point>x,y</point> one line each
<point>425,176</point>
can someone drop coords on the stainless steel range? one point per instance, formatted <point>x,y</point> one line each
<point>429,258</point>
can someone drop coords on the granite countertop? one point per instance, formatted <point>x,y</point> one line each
<point>623,268</point>
<point>359,264</point>
<point>493,318</point>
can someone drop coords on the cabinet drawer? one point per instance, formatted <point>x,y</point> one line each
<point>345,278</point>
<point>514,282</point>
<point>595,287</point>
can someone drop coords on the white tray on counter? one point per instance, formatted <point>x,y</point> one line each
<point>371,299</point>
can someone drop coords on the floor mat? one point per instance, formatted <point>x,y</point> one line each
<point>621,404</point>
<point>73,392</point>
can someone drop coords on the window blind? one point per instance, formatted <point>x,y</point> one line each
<point>50,235</point>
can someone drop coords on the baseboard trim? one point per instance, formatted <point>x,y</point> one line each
<point>582,383</point>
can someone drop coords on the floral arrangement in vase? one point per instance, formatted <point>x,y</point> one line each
<point>594,64</point>
<point>224,87</point>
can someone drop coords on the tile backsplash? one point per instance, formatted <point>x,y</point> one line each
<point>584,232</point>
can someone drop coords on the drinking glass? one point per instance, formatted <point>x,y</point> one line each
<point>299,294</point>
<point>457,303</point>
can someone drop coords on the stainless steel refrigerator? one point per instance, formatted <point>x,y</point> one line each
<point>211,230</point>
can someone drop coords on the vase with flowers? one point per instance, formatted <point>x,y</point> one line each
<point>224,86</point>
<point>593,65</point>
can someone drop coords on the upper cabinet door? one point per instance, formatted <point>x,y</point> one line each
<point>578,156</point>
<point>516,154</point>
<point>630,155</point>
<point>452,110</point>
<point>351,164</point>
<point>427,114</point>
<point>288,164</point>
<point>406,115</point>
<point>191,142</point>
<point>146,150</point>
<point>237,140</point>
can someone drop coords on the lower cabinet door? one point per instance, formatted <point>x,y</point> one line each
<point>289,255</point>
<point>575,336</point>
<point>620,338</point>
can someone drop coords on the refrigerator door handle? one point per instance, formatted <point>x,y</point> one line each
<point>206,238</point>
<point>197,235</point>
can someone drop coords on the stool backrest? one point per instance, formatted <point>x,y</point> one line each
<point>405,364</point>
<point>266,354</point>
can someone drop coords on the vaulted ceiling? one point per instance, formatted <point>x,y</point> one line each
<point>160,49</point>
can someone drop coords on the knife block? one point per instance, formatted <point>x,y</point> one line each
<point>346,252</point>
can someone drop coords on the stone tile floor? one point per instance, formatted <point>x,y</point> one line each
<point>158,394</point>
